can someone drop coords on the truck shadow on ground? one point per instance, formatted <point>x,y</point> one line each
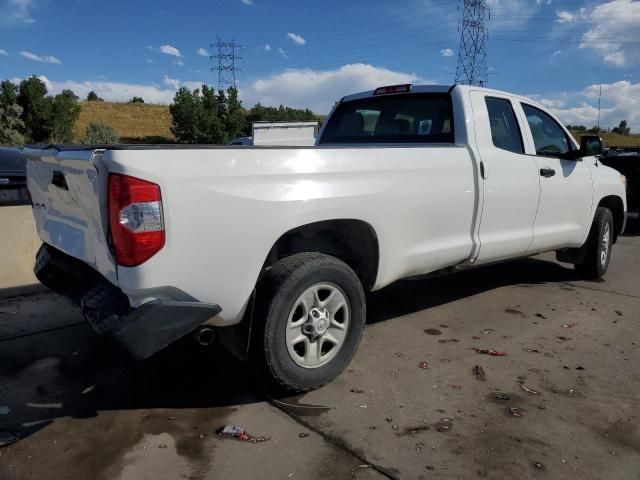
<point>71,372</point>
<point>633,227</point>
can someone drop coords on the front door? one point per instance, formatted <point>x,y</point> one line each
<point>566,189</point>
<point>509,179</point>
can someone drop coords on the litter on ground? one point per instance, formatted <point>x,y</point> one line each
<point>529,390</point>
<point>241,434</point>
<point>489,351</point>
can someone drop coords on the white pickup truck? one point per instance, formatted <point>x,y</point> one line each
<point>272,248</point>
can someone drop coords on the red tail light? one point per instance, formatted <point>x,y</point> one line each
<point>135,219</point>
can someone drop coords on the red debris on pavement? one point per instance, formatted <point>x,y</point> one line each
<point>489,351</point>
<point>240,434</point>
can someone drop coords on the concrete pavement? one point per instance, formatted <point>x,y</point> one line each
<point>562,404</point>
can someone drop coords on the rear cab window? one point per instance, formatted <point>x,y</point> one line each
<point>402,118</point>
<point>505,131</point>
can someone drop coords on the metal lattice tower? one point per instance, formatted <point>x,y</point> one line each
<point>472,54</point>
<point>227,57</point>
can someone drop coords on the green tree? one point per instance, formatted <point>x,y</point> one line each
<point>93,97</point>
<point>185,115</point>
<point>98,133</point>
<point>622,129</point>
<point>11,125</point>
<point>64,114</point>
<point>8,92</point>
<point>212,114</point>
<point>36,106</point>
<point>136,100</point>
<point>260,113</point>
<point>236,115</point>
<point>207,116</point>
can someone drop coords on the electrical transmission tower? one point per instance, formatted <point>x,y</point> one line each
<point>227,57</point>
<point>472,53</point>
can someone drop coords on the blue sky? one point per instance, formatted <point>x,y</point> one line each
<point>304,53</point>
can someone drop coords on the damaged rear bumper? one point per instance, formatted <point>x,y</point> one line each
<point>142,331</point>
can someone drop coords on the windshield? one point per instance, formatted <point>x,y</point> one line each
<point>405,118</point>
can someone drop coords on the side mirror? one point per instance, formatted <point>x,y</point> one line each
<point>591,145</point>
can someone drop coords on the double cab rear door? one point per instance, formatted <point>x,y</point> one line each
<point>534,197</point>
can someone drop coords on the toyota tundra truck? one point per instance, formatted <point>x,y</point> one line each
<point>271,249</point>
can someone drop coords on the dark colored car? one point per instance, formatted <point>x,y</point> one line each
<point>13,177</point>
<point>627,161</point>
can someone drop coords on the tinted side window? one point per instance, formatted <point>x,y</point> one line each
<point>505,131</point>
<point>548,137</point>
<point>407,118</point>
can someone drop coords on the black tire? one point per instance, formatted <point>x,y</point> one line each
<point>278,292</point>
<point>595,262</point>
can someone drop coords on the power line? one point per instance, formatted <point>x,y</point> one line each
<point>472,53</point>
<point>226,68</point>
<point>565,40</point>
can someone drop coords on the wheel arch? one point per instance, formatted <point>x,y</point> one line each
<point>616,205</point>
<point>353,241</point>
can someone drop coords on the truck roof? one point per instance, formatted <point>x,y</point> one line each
<point>432,89</point>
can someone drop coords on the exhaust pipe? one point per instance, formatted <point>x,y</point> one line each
<point>204,336</point>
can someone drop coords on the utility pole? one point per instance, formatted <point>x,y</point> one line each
<point>226,57</point>
<point>599,99</point>
<point>472,53</point>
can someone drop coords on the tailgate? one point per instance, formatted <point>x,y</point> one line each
<point>69,194</point>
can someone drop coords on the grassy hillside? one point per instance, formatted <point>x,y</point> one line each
<point>613,139</point>
<point>134,122</point>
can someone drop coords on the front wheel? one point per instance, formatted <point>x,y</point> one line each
<point>598,247</point>
<point>313,314</point>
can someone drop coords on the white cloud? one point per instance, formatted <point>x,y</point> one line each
<point>119,91</point>
<point>620,101</point>
<point>39,58</point>
<point>3,52</point>
<point>283,53</point>
<point>148,60</point>
<point>247,2</point>
<point>507,14</point>
<point>319,89</point>
<point>202,52</point>
<point>446,52</point>
<point>555,54</point>
<point>170,50</point>
<point>111,91</point>
<point>266,47</point>
<point>191,85</point>
<point>295,38</point>
<point>611,21</point>
<point>16,12</point>
<point>178,62</point>
<point>171,82</point>
<point>565,16</point>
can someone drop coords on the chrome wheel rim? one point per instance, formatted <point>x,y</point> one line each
<point>317,325</point>
<point>606,241</point>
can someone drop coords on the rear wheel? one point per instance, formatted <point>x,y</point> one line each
<point>313,314</point>
<point>599,244</point>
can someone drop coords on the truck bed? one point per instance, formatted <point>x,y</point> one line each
<point>218,200</point>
